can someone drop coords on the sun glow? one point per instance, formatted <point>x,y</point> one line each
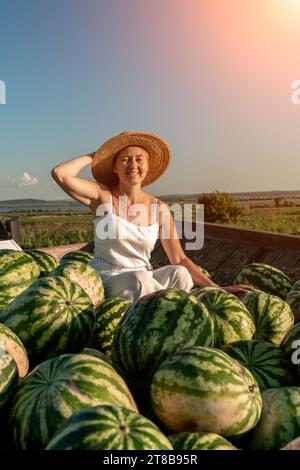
<point>288,7</point>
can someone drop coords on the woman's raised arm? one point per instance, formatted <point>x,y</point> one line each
<point>82,190</point>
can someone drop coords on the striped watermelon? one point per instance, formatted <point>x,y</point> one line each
<point>203,389</point>
<point>17,271</point>
<point>95,353</point>
<point>154,327</point>
<point>51,317</point>
<point>203,271</point>
<point>45,261</point>
<point>83,275</point>
<point>264,360</point>
<point>108,316</point>
<point>12,344</point>
<point>108,428</point>
<point>272,316</point>
<point>9,377</point>
<point>80,255</point>
<point>280,418</point>
<point>56,389</point>
<point>232,321</point>
<point>13,363</point>
<point>293,299</point>
<point>266,278</point>
<point>199,441</point>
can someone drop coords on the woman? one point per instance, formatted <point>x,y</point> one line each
<point>123,240</point>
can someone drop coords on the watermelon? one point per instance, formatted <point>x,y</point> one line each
<point>95,353</point>
<point>45,261</point>
<point>17,272</point>
<point>154,327</point>
<point>293,299</point>
<point>51,317</point>
<point>266,278</point>
<point>232,321</point>
<point>83,275</point>
<point>108,428</point>
<point>56,389</point>
<point>10,342</point>
<point>108,316</point>
<point>203,389</point>
<point>9,377</point>
<point>80,255</point>
<point>13,363</point>
<point>199,441</point>
<point>264,360</point>
<point>203,271</point>
<point>272,316</point>
<point>280,418</point>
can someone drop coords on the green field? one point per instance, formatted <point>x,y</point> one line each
<point>281,220</point>
<point>62,228</point>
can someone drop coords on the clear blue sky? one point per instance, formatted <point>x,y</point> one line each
<point>213,77</point>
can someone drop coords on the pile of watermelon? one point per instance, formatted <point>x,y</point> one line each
<point>204,370</point>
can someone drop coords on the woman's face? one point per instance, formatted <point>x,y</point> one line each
<point>131,164</point>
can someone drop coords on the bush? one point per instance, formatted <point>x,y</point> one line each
<point>278,201</point>
<point>219,207</point>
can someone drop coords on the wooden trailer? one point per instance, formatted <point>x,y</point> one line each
<point>225,251</point>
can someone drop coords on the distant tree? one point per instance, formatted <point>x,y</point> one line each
<point>278,201</point>
<point>219,207</point>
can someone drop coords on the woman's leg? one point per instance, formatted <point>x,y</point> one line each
<point>131,285</point>
<point>174,276</point>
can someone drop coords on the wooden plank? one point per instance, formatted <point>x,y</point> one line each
<point>252,237</point>
<point>214,255</point>
<point>59,251</point>
<point>287,259</point>
<point>4,235</point>
<point>199,256</point>
<point>241,255</point>
<point>271,256</point>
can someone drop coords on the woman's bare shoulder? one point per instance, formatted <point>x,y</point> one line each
<point>151,199</point>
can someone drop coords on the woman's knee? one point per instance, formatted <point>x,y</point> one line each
<point>183,279</point>
<point>131,285</point>
<point>139,279</point>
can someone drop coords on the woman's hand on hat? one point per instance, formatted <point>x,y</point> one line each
<point>92,154</point>
<point>238,289</point>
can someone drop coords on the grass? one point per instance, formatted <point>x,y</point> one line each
<point>281,220</point>
<point>269,219</point>
<point>40,235</point>
<point>55,220</point>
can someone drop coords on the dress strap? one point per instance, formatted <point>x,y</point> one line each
<point>110,203</point>
<point>157,208</point>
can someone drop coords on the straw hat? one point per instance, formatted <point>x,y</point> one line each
<point>157,148</point>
